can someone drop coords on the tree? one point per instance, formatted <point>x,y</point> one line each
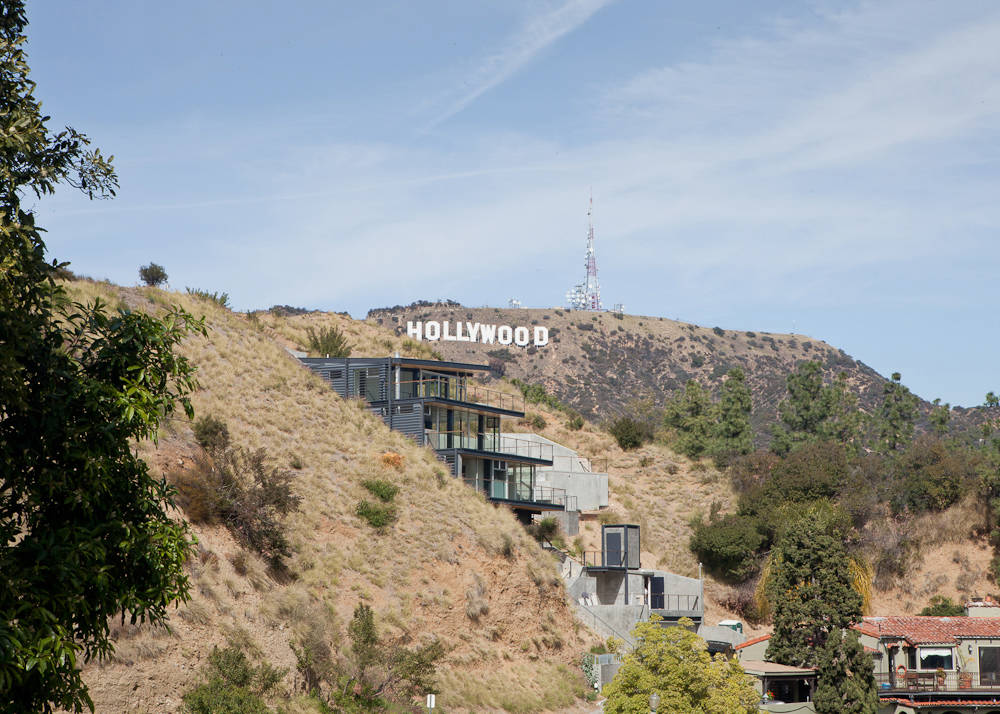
<point>814,411</point>
<point>810,589</point>
<point>733,433</point>
<point>377,669</point>
<point>627,432</point>
<point>675,663</point>
<point>691,415</point>
<point>897,414</point>
<point>940,416</point>
<point>153,275</point>
<point>85,534</point>
<point>845,683</point>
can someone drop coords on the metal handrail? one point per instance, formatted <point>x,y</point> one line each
<point>604,559</point>
<point>499,444</point>
<point>932,681</point>
<point>459,390</point>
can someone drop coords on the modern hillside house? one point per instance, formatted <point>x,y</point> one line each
<point>436,404</point>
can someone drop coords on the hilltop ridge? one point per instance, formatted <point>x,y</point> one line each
<point>598,363</point>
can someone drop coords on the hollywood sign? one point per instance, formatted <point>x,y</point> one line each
<point>433,331</point>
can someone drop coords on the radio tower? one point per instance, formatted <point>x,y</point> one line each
<point>587,295</point>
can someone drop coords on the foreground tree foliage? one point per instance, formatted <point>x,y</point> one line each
<point>845,684</point>
<point>85,531</point>
<point>809,589</point>
<point>674,662</point>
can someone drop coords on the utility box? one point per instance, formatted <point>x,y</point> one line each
<point>734,625</point>
<point>620,546</point>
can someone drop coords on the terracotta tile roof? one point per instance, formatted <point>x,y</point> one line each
<point>940,703</point>
<point>754,641</point>
<point>860,627</point>
<point>925,630</point>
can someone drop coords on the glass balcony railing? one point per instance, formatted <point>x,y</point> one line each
<point>517,488</point>
<point>496,443</point>
<point>459,390</point>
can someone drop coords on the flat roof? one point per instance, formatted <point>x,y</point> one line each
<point>402,362</point>
<point>760,667</point>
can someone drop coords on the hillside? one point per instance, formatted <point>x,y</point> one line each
<point>446,555</point>
<point>599,362</point>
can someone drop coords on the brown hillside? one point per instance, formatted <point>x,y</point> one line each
<point>599,362</point>
<point>446,550</point>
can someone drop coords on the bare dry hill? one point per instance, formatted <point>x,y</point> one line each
<point>599,362</point>
<point>453,567</point>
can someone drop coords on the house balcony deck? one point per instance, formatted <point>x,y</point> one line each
<point>517,495</point>
<point>949,682</point>
<point>457,391</point>
<point>491,446</point>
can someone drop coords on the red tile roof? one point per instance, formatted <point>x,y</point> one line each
<point>978,703</point>
<point>754,641</point>
<point>918,630</point>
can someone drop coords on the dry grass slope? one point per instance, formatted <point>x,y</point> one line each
<point>517,655</point>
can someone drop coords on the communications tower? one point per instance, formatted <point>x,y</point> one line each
<point>587,295</point>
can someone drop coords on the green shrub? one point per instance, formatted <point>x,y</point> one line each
<point>575,423</point>
<point>728,546</point>
<point>328,342</point>
<point>697,360</point>
<point>233,685</point>
<point>931,476</point>
<point>378,515</point>
<point>941,606</point>
<point>296,463</point>
<point>237,488</point>
<point>153,275</point>
<point>381,489</point>
<point>719,331</point>
<point>211,433</point>
<point>220,299</point>
<point>544,529</point>
<point>537,421</point>
<point>627,432</point>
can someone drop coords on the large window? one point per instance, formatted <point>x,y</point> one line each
<point>935,658</point>
<point>989,665</point>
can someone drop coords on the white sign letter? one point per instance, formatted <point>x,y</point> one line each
<point>521,336</point>
<point>489,332</point>
<point>541,336</point>
<point>447,336</point>
<point>415,331</point>
<point>432,330</point>
<point>505,335</point>
<point>473,328</point>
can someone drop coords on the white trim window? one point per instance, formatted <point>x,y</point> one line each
<point>933,658</point>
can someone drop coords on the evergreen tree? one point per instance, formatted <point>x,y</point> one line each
<point>940,416</point>
<point>814,411</point>
<point>733,433</point>
<point>692,416</point>
<point>85,530</point>
<point>675,663</point>
<point>845,683</point>
<point>810,589</point>
<point>897,415</point>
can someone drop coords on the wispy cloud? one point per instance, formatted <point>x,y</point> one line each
<point>532,38</point>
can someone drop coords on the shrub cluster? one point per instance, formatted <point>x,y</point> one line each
<point>238,488</point>
<point>220,299</point>
<point>153,275</point>
<point>329,341</point>
<point>381,513</point>
<point>233,684</point>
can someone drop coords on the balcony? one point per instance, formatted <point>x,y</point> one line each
<point>494,443</point>
<point>933,681</point>
<point>459,390</point>
<point>517,490</point>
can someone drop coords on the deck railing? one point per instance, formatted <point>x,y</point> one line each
<point>459,390</point>
<point>933,681</point>
<point>604,559</point>
<point>498,444</point>
<point>512,489</point>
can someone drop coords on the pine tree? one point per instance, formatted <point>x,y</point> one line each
<point>815,411</point>
<point>691,415</point>
<point>733,433</point>
<point>897,415</point>
<point>845,683</point>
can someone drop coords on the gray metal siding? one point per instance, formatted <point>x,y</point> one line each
<point>411,423</point>
<point>633,546</point>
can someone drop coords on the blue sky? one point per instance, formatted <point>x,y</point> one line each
<point>830,169</point>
